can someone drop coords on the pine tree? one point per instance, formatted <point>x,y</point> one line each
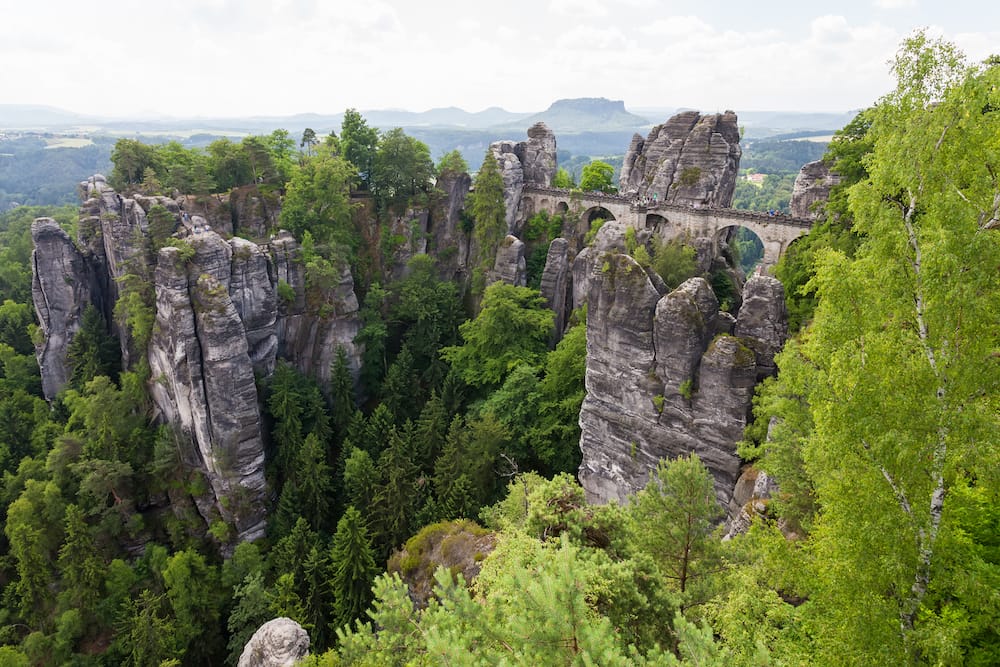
<point>80,565</point>
<point>252,610</point>
<point>343,406</point>
<point>352,569</point>
<point>486,203</point>
<point>313,483</point>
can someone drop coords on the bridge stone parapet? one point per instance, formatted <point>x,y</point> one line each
<point>776,231</point>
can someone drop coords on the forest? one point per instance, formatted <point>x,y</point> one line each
<point>461,444</point>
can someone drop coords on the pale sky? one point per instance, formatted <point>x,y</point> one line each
<point>278,57</point>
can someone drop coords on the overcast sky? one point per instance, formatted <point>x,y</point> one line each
<point>264,57</point>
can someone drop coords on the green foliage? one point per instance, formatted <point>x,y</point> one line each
<point>563,179</point>
<point>317,200</point>
<point>352,569</point>
<point>402,170</point>
<point>512,328</point>
<point>675,261</point>
<point>452,162</point>
<point>690,176</point>
<point>899,429</point>
<point>686,389</point>
<point>93,351</point>
<point>489,211</point>
<point>358,144</point>
<point>595,226</point>
<point>598,176</point>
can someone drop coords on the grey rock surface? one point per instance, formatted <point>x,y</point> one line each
<point>691,159</point>
<point>664,376</point>
<point>506,154</point>
<point>556,284</point>
<point>538,155</point>
<point>61,290</point>
<point>510,266</point>
<point>812,189</point>
<point>203,378</point>
<point>449,241</point>
<point>763,320</point>
<point>280,642</point>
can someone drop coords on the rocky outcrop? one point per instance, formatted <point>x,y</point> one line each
<point>763,320</point>
<point>199,357</point>
<point>666,376</point>
<point>278,643</point>
<point>510,266</point>
<point>449,241</point>
<point>225,311</point>
<point>506,154</point>
<point>691,159</point>
<point>538,155</point>
<point>812,189</point>
<point>60,289</point>
<point>313,324</point>
<point>751,497</point>
<point>555,284</point>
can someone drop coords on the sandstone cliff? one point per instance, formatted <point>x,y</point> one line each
<point>812,189</point>
<point>666,375</point>
<point>531,162</point>
<point>691,159</point>
<point>225,310</point>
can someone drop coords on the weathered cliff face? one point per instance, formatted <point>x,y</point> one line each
<point>665,374</point>
<point>531,162</point>
<point>450,243</point>
<point>313,324</point>
<point>512,172</point>
<point>811,189</point>
<point>538,157</point>
<point>556,284</point>
<point>510,266</point>
<point>280,642</point>
<point>199,358</point>
<point>225,310</point>
<point>691,159</point>
<point>60,289</point>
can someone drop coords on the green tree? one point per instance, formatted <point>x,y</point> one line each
<point>489,211</point>
<point>672,520</point>
<point>358,143</point>
<point>598,176</point>
<point>402,169</point>
<point>452,162</point>
<point>563,179</point>
<point>352,569</point>
<point>251,611</point>
<point>146,635</point>
<point>313,483</point>
<point>903,401</point>
<point>513,327</point>
<point>317,200</point>
<point>93,351</point>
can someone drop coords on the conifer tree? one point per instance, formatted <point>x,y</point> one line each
<point>352,569</point>
<point>313,483</point>
<point>486,203</point>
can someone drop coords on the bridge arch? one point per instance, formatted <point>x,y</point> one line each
<point>562,208</point>
<point>746,245</point>
<point>595,213</point>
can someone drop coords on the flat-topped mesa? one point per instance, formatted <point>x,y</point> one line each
<point>691,159</point>
<point>668,374</point>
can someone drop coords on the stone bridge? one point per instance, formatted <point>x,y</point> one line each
<point>668,220</point>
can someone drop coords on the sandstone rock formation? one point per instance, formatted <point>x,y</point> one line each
<point>449,241</point>
<point>60,289</point>
<point>204,382</point>
<point>811,189</point>
<point>691,159</point>
<point>512,172</point>
<point>225,310</point>
<point>280,642</point>
<point>538,158</point>
<point>555,284</point>
<point>665,374</point>
<point>510,266</point>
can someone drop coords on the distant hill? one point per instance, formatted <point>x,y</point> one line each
<point>585,114</point>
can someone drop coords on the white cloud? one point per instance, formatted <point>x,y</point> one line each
<point>895,4</point>
<point>590,9</point>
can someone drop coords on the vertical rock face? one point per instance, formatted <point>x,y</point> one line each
<point>199,358</point>
<point>555,284</point>
<point>512,172</point>
<point>812,186</point>
<point>311,326</point>
<point>666,377</point>
<point>450,242</point>
<point>510,266</point>
<point>691,159</point>
<point>278,643</point>
<point>60,290</point>
<point>538,155</point>
<point>225,310</point>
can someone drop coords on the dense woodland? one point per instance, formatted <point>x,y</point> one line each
<point>883,546</point>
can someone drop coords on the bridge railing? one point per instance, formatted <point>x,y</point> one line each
<point>649,207</point>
